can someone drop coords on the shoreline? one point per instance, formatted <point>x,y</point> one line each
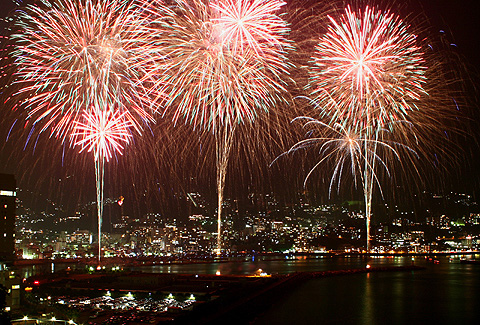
<point>153,261</point>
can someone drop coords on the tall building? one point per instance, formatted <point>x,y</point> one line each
<point>8,187</point>
<point>9,277</point>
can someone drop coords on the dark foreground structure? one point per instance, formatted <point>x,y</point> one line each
<point>136,298</point>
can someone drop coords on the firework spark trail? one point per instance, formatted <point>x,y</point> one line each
<point>368,73</point>
<point>103,132</point>
<point>345,147</point>
<point>221,62</point>
<point>74,55</point>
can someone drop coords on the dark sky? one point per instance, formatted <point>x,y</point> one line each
<point>461,19</point>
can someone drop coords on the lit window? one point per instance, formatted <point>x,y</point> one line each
<point>7,193</point>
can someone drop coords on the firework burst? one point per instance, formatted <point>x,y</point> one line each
<point>221,63</point>
<point>207,74</point>
<point>368,69</point>
<point>346,149</point>
<point>368,73</point>
<point>71,55</point>
<point>104,132</point>
<point>251,26</point>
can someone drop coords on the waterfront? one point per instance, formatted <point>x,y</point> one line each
<point>445,292</point>
<point>275,264</point>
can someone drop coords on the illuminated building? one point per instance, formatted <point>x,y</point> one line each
<point>7,217</point>
<point>8,276</point>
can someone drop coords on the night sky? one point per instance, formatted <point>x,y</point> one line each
<point>458,20</point>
